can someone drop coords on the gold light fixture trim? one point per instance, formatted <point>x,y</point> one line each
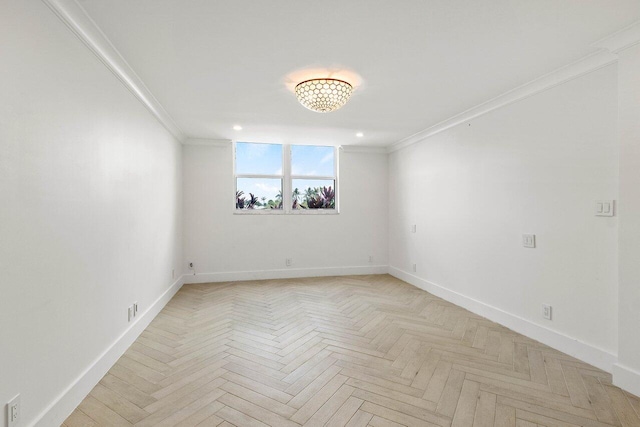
<point>323,95</point>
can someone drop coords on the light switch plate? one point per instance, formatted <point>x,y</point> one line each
<point>529,240</point>
<point>605,207</point>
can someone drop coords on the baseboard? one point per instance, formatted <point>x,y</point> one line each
<point>289,273</point>
<point>70,398</point>
<point>626,378</point>
<point>592,355</point>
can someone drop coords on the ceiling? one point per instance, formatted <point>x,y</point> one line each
<point>216,64</point>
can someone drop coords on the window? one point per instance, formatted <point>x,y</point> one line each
<point>258,176</point>
<point>285,178</point>
<point>313,178</point>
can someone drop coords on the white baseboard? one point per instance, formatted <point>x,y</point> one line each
<point>593,355</point>
<point>289,273</point>
<point>70,398</point>
<point>626,378</point>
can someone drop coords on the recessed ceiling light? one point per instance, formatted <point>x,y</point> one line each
<point>237,127</point>
<point>359,134</point>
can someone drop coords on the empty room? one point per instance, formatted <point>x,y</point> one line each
<point>341,213</point>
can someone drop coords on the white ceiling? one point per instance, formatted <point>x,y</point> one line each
<point>215,64</point>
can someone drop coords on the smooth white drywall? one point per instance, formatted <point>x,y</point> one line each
<point>217,241</point>
<point>90,190</point>
<point>536,166</point>
<point>629,210</point>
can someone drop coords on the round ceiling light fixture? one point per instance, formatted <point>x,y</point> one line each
<point>323,95</point>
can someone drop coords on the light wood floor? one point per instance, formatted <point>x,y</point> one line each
<point>355,351</point>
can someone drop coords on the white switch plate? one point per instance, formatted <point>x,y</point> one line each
<point>605,207</point>
<point>14,412</point>
<point>546,311</point>
<point>529,240</point>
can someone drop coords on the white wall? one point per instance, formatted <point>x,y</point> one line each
<point>627,372</point>
<point>535,166</point>
<point>221,244</point>
<point>90,189</point>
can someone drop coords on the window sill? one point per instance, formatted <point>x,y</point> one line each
<point>281,212</point>
<point>314,212</point>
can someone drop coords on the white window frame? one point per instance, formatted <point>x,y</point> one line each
<point>287,185</point>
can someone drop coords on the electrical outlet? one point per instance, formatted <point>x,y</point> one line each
<point>173,274</point>
<point>135,309</point>
<point>191,265</point>
<point>370,259</point>
<point>288,262</point>
<point>14,412</point>
<point>605,207</point>
<point>529,240</point>
<point>130,313</point>
<point>414,228</point>
<point>415,268</point>
<point>546,311</point>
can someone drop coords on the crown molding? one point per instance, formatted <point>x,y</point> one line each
<point>207,142</point>
<point>620,40</point>
<point>363,149</point>
<point>80,23</point>
<point>564,74</point>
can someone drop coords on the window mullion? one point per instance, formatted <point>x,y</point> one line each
<point>247,175</point>
<point>312,177</point>
<point>286,182</point>
<point>336,171</point>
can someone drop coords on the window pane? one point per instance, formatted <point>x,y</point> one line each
<point>258,193</point>
<point>258,159</point>
<point>314,194</point>
<point>312,160</point>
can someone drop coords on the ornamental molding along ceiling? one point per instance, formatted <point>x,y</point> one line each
<point>73,15</point>
<point>609,46</point>
<point>620,40</point>
<point>207,142</point>
<point>80,23</point>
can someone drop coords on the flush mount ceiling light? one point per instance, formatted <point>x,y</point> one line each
<point>323,95</point>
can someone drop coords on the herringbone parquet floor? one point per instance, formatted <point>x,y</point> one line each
<point>354,351</point>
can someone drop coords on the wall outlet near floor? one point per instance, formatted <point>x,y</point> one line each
<point>135,309</point>
<point>605,207</point>
<point>173,274</point>
<point>414,228</point>
<point>414,267</point>
<point>529,240</point>
<point>14,412</point>
<point>370,259</point>
<point>288,262</point>
<point>129,313</point>
<point>546,311</point>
